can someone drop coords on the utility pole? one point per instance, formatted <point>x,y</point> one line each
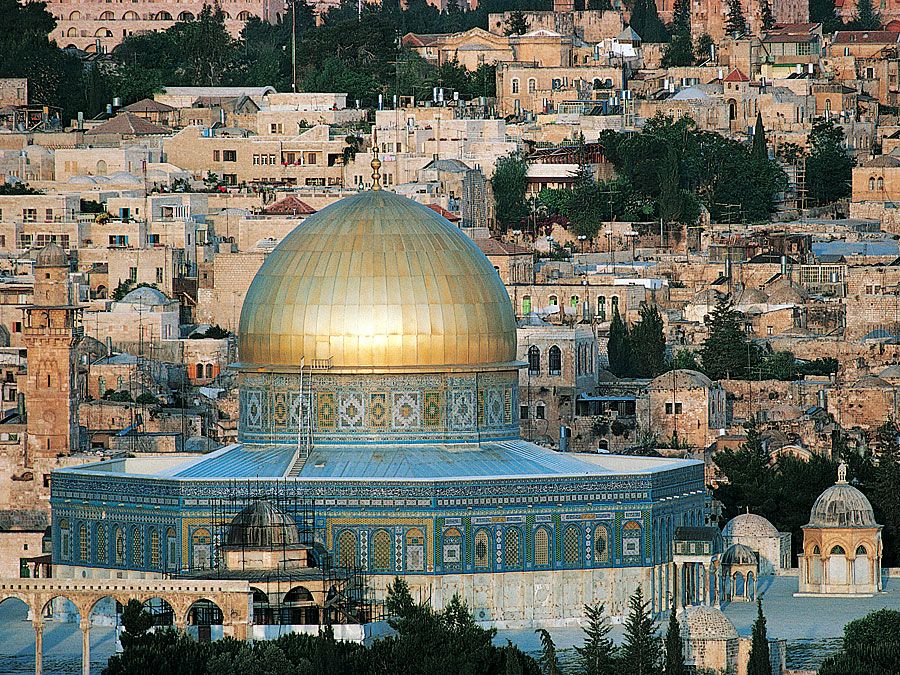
<point>294,46</point>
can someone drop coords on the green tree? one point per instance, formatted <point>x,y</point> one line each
<point>600,5</point>
<point>766,16</point>
<point>867,18</point>
<point>735,22</point>
<point>674,648</point>
<point>685,360</point>
<point>829,166</point>
<point>640,652</point>
<point>759,662</point>
<point>548,660</point>
<point>618,347</point>
<point>597,653</point>
<point>646,22</point>
<point>704,48</point>
<point>759,151</point>
<point>725,351</point>
<point>824,12</point>
<point>516,24</point>
<point>680,51</point>
<point>508,183</point>
<point>748,474</point>
<point>648,343</point>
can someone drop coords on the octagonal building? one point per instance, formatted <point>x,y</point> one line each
<point>379,387</point>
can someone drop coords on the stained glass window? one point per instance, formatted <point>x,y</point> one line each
<point>601,544</point>
<point>381,551</point>
<point>171,549</point>
<point>83,542</point>
<point>347,549</point>
<point>541,547</point>
<point>482,550</point>
<point>572,545</point>
<point>120,546</point>
<point>513,556</point>
<point>137,551</point>
<point>101,543</point>
<point>415,550</point>
<point>65,541</point>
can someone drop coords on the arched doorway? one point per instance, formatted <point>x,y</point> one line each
<point>204,621</point>
<point>262,612</point>
<point>161,611</point>
<point>298,608</point>
<point>15,629</point>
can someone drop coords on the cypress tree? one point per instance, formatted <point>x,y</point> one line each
<point>619,347</point>
<point>759,662</point>
<point>674,648</point>
<point>548,660</point>
<point>597,653</point>
<point>735,23</point>
<point>724,352</point>
<point>867,18</point>
<point>766,16</point>
<point>648,344</point>
<point>759,152</point>
<point>640,646</point>
<point>646,22</point>
<point>680,51</point>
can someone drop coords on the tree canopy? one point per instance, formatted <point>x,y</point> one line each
<point>829,166</point>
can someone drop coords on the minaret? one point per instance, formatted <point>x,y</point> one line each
<point>51,329</point>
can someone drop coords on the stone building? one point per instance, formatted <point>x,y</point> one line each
<point>712,644</point>
<point>841,544</point>
<point>562,366</point>
<point>758,534</point>
<point>687,405</point>
<point>143,315</point>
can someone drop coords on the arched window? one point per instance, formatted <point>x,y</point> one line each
<point>482,550</point>
<point>84,548</point>
<point>601,545</point>
<point>163,16</point>
<point>601,307</point>
<point>880,183</point>
<point>198,369</point>
<point>101,168</point>
<point>532,85</point>
<point>120,546</point>
<point>185,16</point>
<point>555,83</point>
<point>515,85</point>
<point>209,371</point>
<point>554,301</point>
<point>838,550</point>
<point>107,16</point>
<point>415,551</point>
<point>381,551</point>
<point>512,552</point>
<point>631,538</point>
<point>347,549</point>
<point>244,16</point>
<point>573,301</point>
<point>100,548</point>
<point>816,550</point>
<point>130,16</point>
<point>72,32</point>
<point>65,539</point>
<point>534,360</point>
<point>615,302</point>
<point>154,548</point>
<point>171,549</point>
<point>137,548</point>
<point>74,16</point>
<point>541,547</point>
<point>572,545</point>
<point>554,359</point>
<point>871,183</point>
<point>526,305</point>
<point>861,550</point>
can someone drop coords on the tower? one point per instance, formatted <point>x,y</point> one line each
<point>50,331</point>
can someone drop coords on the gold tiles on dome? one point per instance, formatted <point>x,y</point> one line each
<point>377,281</point>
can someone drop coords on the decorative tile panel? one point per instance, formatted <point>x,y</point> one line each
<point>406,408</point>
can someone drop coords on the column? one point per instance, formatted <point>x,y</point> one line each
<point>676,587</point>
<point>38,624</point>
<point>704,596</point>
<point>86,646</point>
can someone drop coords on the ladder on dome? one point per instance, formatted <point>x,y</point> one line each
<point>305,417</point>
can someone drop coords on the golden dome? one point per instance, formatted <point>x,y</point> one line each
<point>377,282</point>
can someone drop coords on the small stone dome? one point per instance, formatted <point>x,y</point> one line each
<point>261,525</point>
<point>739,554</point>
<point>749,525</point>
<point>145,295</point>
<point>787,294</point>
<point>51,255</point>
<point>891,372</point>
<point>842,505</point>
<point>870,382</point>
<point>706,623</point>
<point>680,379</point>
<point>752,296</point>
